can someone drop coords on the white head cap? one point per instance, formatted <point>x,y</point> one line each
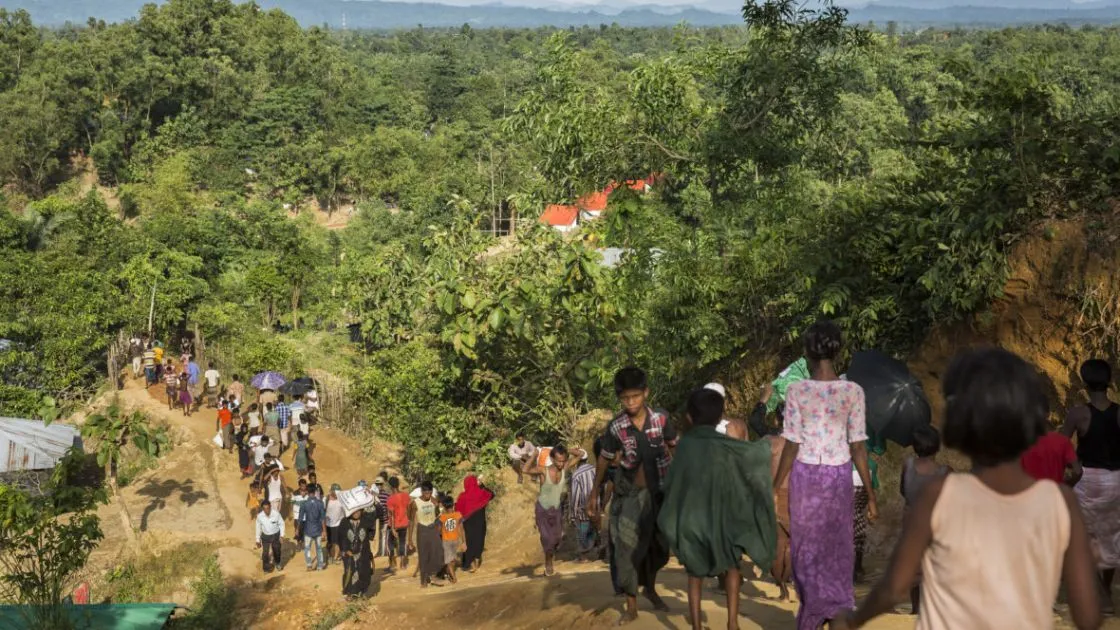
<point>717,388</point>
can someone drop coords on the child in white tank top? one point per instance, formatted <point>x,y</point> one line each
<point>994,544</point>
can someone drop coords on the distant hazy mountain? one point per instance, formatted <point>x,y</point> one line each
<point>952,13</point>
<point>988,4</point>
<point>392,15</point>
<point>377,14</point>
<point>733,6</point>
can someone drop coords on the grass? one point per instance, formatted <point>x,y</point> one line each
<point>153,578</point>
<point>138,464</point>
<point>335,616</point>
<point>214,601</point>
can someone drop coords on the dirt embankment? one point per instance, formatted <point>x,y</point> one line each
<point>1061,305</point>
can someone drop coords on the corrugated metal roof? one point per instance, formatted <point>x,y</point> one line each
<point>31,445</point>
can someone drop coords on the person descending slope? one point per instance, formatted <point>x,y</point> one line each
<point>472,504</point>
<point>549,515</point>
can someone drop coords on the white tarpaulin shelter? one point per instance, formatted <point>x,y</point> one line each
<point>31,445</point>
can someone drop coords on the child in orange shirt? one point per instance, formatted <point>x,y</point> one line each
<point>454,542</point>
<point>254,498</point>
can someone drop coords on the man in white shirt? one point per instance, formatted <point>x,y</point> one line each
<point>521,455</point>
<point>213,379</point>
<point>274,489</point>
<point>299,416</point>
<point>260,449</point>
<point>136,351</point>
<point>270,529</point>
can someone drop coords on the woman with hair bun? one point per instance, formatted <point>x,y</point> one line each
<point>825,432</point>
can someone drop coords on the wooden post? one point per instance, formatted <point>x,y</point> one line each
<point>199,346</point>
<point>111,364</point>
<point>494,209</point>
<point>152,310</point>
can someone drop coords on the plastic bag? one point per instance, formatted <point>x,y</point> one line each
<point>218,440</point>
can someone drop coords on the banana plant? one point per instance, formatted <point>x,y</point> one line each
<point>113,428</point>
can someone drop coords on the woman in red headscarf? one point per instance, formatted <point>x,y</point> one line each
<point>472,505</point>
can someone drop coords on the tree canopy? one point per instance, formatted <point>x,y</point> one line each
<point>801,167</point>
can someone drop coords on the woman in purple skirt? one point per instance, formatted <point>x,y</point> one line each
<point>825,432</point>
<point>185,398</point>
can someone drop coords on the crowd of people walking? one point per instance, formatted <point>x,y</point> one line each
<point>983,548</point>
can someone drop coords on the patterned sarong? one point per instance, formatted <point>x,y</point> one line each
<point>550,524</point>
<point>639,550</point>
<point>821,537</point>
<point>860,521</point>
<point>1098,494</point>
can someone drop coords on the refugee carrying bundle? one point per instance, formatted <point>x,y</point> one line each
<point>357,498</point>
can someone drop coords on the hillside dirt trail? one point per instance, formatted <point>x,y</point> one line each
<point>197,493</point>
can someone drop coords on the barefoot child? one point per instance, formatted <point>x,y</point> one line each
<point>638,444</point>
<point>782,569</point>
<point>718,504</point>
<point>184,390</point>
<point>918,472</point>
<point>993,544</point>
<point>451,533</point>
<point>171,385</point>
<point>254,499</point>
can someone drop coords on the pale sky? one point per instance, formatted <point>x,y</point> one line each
<point>734,5</point>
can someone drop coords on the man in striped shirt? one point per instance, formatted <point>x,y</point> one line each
<point>149,360</point>
<point>583,480</point>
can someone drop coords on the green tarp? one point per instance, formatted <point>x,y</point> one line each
<point>95,616</point>
<point>719,503</point>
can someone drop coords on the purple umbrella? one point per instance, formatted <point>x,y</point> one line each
<point>268,380</point>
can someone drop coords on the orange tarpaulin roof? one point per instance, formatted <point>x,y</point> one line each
<point>594,202</point>
<point>559,214</point>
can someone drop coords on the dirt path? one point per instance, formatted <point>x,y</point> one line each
<point>198,493</point>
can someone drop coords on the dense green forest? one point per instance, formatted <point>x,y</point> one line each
<point>805,168</point>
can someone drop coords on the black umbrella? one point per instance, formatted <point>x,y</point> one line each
<point>896,404</point>
<point>298,387</point>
